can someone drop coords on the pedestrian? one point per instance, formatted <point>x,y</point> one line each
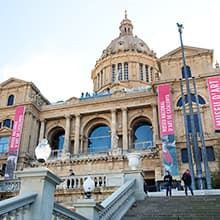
<point>145,187</point>
<point>187,179</point>
<point>168,183</point>
<point>70,180</point>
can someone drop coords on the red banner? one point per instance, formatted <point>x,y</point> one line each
<point>167,129</point>
<point>214,94</point>
<point>15,142</point>
<point>166,110</point>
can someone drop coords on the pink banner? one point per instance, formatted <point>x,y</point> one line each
<point>214,94</point>
<point>165,109</point>
<point>14,142</point>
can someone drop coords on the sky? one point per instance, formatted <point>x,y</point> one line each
<point>55,43</point>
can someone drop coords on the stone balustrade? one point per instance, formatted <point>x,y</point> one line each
<point>10,185</point>
<point>101,180</point>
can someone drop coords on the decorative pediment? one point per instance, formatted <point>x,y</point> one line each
<point>188,51</point>
<point>12,82</point>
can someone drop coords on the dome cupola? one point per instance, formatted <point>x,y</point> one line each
<point>126,63</point>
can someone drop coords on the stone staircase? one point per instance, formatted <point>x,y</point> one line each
<point>204,207</point>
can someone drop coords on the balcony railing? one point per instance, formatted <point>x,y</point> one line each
<point>146,147</point>
<point>101,180</point>
<point>10,185</point>
<point>74,182</point>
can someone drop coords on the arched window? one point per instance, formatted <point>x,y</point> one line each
<point>57,139</point>
<point>143,135</point>
<point>193,98</point>
<point>10,100</point>
<point>99,139</point>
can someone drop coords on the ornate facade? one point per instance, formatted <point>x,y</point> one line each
<point>93,133</point>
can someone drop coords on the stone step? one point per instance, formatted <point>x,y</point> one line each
<point>176,207</point>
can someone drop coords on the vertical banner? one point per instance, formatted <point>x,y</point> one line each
<point>214,94</point>
<point>14,142</point>
<point>167,129</point>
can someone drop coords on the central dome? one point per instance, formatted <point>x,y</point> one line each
<point>126,42</point>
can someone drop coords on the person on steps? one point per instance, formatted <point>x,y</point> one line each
<point>187,179</point>
<point>168,183</point>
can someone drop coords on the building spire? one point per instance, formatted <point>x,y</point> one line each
<point>126,14</point>
<point>126,27</point>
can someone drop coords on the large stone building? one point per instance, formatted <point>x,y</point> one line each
<point>94,133</point>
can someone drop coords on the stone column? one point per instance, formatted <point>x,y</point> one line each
<point>125,128</point>
<point>155,123</point>
<point>42,130</point>
<point>88,208</point>
<point>77,131</point>
<point>113,129</point>
<point>29,121</point>
<point>43,182</point>
<point>67,135</point>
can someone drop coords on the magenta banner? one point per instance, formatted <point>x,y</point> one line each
<point>15,142</point>
<point>166,110</point>
<point>167,129</point>
<point>214,94</point>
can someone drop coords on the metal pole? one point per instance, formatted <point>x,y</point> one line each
<point>189,152</point>
<point>201,133</point>
<point>194,135</point>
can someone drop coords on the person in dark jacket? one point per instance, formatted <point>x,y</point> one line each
<point>187,179</point>
<point>168,183</point>
<point>70,180</point>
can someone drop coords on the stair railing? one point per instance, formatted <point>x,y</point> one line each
<point>17,207</point>
<point>60,212</point>
<point>118,203</point>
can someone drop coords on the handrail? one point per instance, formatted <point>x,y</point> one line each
<point>10,205</point>
<point>61,211</point>
<point>117,204</point>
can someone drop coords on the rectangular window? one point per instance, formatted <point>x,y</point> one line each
<point>141,71</point>
<point>147,73</point>
<point>113,73</point>
<point>125,71</point>
<point>101,75</point>
<point>210,153</point>
<point>119,71</point>
<point>209,150</point>
<point>151,74</point>
<point>196,122</point>
<point>4,142</point>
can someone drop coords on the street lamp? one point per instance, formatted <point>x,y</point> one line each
<point>191,114</point>
<point>43,151</point>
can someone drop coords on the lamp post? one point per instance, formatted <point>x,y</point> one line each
<point>43,150</point>
<point>189,152</point>
<point>191,114</point>
<point>88,187</point>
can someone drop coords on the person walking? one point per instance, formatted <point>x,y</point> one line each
<point>70,180</point>
<point>187,179</point>
<point>168,183</point>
